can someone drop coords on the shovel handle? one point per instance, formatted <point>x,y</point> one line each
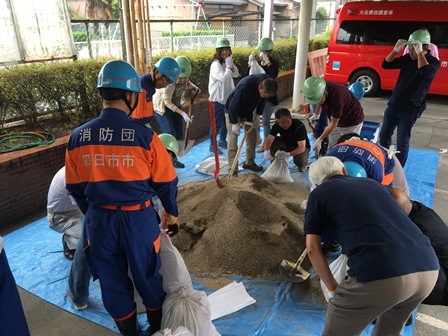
<point>299,261</point>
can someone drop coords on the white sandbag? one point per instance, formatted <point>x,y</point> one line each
<point>208,166</point>
<point>278,170</point>
<point>179,331</point>
<point>255,68</point>
<point>339,270</point>
<point>173,269</point>
<point>189,308</point>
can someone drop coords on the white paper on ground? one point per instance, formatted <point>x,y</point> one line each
<point>229,299</point>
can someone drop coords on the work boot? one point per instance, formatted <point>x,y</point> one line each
<point>68,254</point>
<point>212,150</point>
<point>222,144</point>
<point>253,166</point>
<point>178,164</point>
<point>154,320</point>
<point>128,327</point>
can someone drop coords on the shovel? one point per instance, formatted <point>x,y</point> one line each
<point>186,144</point>
<point>294,272</point>
<point>215,145</point>
<point>235,161</point>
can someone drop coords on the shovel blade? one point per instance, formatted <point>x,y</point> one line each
<point>185,147</point>
<point>291,273</point>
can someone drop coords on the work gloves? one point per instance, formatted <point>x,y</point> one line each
<point>314,117</point>
<point>170,224</point>
<point>317,145</point>
<point>417,46</point>
<point>267,155</point>
<point>399,45</point>
<point>264,57</point>
<point>282,155</point>
<point>236,129</point>
<point>251,58</point>
<point>185,116</point>
<point>229,62</point>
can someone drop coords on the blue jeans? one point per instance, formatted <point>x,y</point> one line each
<point>171,123</point>
<point>403,122</point>
<point>79,277</point>
<point>266,119</point>
<point>220,121</point>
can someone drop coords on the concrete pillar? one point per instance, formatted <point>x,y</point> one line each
<point>268,16</point>
<point>302,54</point>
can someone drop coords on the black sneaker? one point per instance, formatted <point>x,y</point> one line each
<point>253,167</point>
<point>212,150</point>
<point>68,254</point>
<point>330,247</point>
<point>178,164</point>
<point>222,144</point>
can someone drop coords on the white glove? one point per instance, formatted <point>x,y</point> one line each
<point>314,117</point>
<point>267,155</point>
<point>330,294</point>
<point>185,116</point>
<point>264,57</point>
<point>282,155</point>
<point>399,45</point>
<point>417,46</point>
<point>229,62</point>
<point>251,58</point>
<point>317,144</point>
<point>236,129</point>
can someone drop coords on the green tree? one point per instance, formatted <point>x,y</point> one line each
<point>321,13</point>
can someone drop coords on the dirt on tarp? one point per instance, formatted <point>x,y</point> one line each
<point>246,228</point>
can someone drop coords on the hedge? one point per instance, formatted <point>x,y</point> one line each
<point>58,87</point>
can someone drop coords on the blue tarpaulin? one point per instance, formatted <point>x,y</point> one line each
<point>36,259</point>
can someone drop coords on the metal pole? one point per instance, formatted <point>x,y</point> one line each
<point>267,23</point>
<point>302,53</point>
<point>89,44</point>
<point>171,36</point>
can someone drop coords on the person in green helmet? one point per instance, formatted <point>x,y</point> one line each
<point>407,103</point>
<point>339,105</point>
<point>168,103</point>
<point>220,85</point>
<point>166,71</point>
<point>270,66</point>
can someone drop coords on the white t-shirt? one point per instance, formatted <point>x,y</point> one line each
<point>58,198</point>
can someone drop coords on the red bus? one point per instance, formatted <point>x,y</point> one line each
<point>365,32</point>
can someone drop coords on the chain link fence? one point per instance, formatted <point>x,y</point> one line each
<point>103,38</point>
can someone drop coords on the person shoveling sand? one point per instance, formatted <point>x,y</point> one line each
<point>247,228</point>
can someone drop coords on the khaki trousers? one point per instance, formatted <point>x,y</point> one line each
<point>232,144</point>
<point>340,131</point>
<point>356,304</point>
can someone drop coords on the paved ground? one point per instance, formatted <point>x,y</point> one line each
<point>430,132</point>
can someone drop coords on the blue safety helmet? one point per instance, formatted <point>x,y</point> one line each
<point>357,89</point>
<point>168,67</point>
<point>119,75</point>
<point>355,169</point>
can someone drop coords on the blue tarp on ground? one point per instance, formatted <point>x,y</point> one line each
<point>36,259</point>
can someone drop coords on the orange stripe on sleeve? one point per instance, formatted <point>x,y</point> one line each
<point>144,109</point>
<point>162,169</point>
<point>388,179</point>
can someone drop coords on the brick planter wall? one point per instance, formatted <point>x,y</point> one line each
<point>25,175</point>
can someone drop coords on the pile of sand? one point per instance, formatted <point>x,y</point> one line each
<point>245,228</point>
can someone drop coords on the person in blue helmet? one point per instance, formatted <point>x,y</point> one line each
<point>392,265</point>
<point>165,72</point>
<point>12,317</point>
<point>114,167</point>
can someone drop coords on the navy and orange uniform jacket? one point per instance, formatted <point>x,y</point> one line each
<point>372,157</point>
<point>114,160</point>
<point>145,109</point>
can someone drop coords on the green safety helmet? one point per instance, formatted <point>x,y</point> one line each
<point>421,35</point>
<point>170,142</point>
<point>184,65</point>
<point>119,75</point>
<point>314,89</point>
<point>223,42</point>
<point>265,44</point>
<point>168,67</point>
